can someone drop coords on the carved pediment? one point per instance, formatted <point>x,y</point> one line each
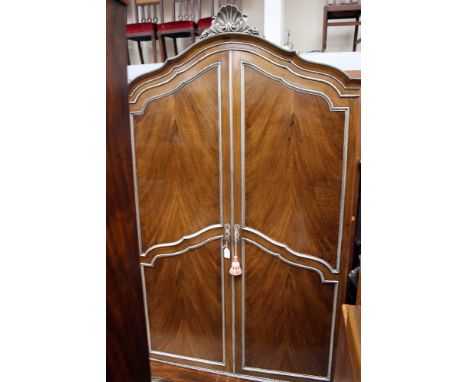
<point>230,19</point>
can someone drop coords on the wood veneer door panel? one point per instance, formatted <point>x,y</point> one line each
<point>293,166</point>
<point>288,314</point>
<point>185,304</point>
<point>180,166</point>
<point>177,150</point>
<point>292,146</point>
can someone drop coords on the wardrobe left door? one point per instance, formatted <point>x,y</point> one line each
<point>181,168</point>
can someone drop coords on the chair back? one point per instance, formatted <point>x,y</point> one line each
<point>146,11</point>
<point>222,3</point>
<point>186,10</point>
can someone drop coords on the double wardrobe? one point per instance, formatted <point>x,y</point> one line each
<point>245,169</point>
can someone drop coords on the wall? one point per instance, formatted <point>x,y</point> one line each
<point>303,17</point>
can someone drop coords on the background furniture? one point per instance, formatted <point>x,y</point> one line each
<point>184,13</point>
<point>341,12</point>
<point>212,135</point>
<point>126,340</point>
<point>205,22</point>
<point>145,28</point>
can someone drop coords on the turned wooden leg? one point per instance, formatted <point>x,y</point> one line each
<point>325,29</point>
<point>356,29</point>
<point>140,51</point>
<point>155,51</point>
<point>162,48</point>
<point>128,54</point>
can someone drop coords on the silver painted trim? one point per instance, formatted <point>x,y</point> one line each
<point>294,87</point>
<point>170,254</point>
<point>220,147</point>
<point>258,55</point>
<point>288,249</point>
<point>244,265</point>
<point>220,372</point>
<point>175,89</point>
<point>148,332</point>
<point>277,255</point>
<point>242,121</point>
<point>182,239</point>
<point>344,164</point>
<point>231,169</point>
<point>223,304</point>
<point>166,81</point>
<point>207,361</point>
<point>332,335</point>
<point>246,50</point>
<point>135,184</point>
<point>343,190</point>
<point>302,76</point>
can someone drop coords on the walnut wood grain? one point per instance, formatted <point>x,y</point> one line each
<point>185,303</point>
<point>177,161</point>
<point>293,146</point>
<point>288,315</point>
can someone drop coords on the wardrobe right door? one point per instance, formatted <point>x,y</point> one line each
<point>293,156</point>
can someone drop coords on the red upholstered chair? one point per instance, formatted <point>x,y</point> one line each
<point>145,29</point>
<point>203,24</point>
<point>183,24</point>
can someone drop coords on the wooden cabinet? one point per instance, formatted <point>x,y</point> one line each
<point>236,131</point>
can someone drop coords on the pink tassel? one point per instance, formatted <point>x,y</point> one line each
<point>235,269</point>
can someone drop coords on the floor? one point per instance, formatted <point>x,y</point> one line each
<point>167,373</point>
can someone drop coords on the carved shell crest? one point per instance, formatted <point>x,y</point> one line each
<point>230,19</point>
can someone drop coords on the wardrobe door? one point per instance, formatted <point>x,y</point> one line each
<point>179,163</point>
<point>292,152</point>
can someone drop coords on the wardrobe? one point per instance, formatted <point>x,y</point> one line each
<point>245,160</point>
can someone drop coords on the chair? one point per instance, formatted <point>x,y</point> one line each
<point>182,26</point>
<point>205,22</point>
<point>341,12</point>
<point>145,28</point>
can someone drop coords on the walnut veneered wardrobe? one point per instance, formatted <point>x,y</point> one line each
<point>245,152</point>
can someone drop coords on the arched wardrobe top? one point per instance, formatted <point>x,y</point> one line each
<point>250,50</point>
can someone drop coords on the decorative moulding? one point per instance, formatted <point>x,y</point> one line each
<point>229,19</point>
